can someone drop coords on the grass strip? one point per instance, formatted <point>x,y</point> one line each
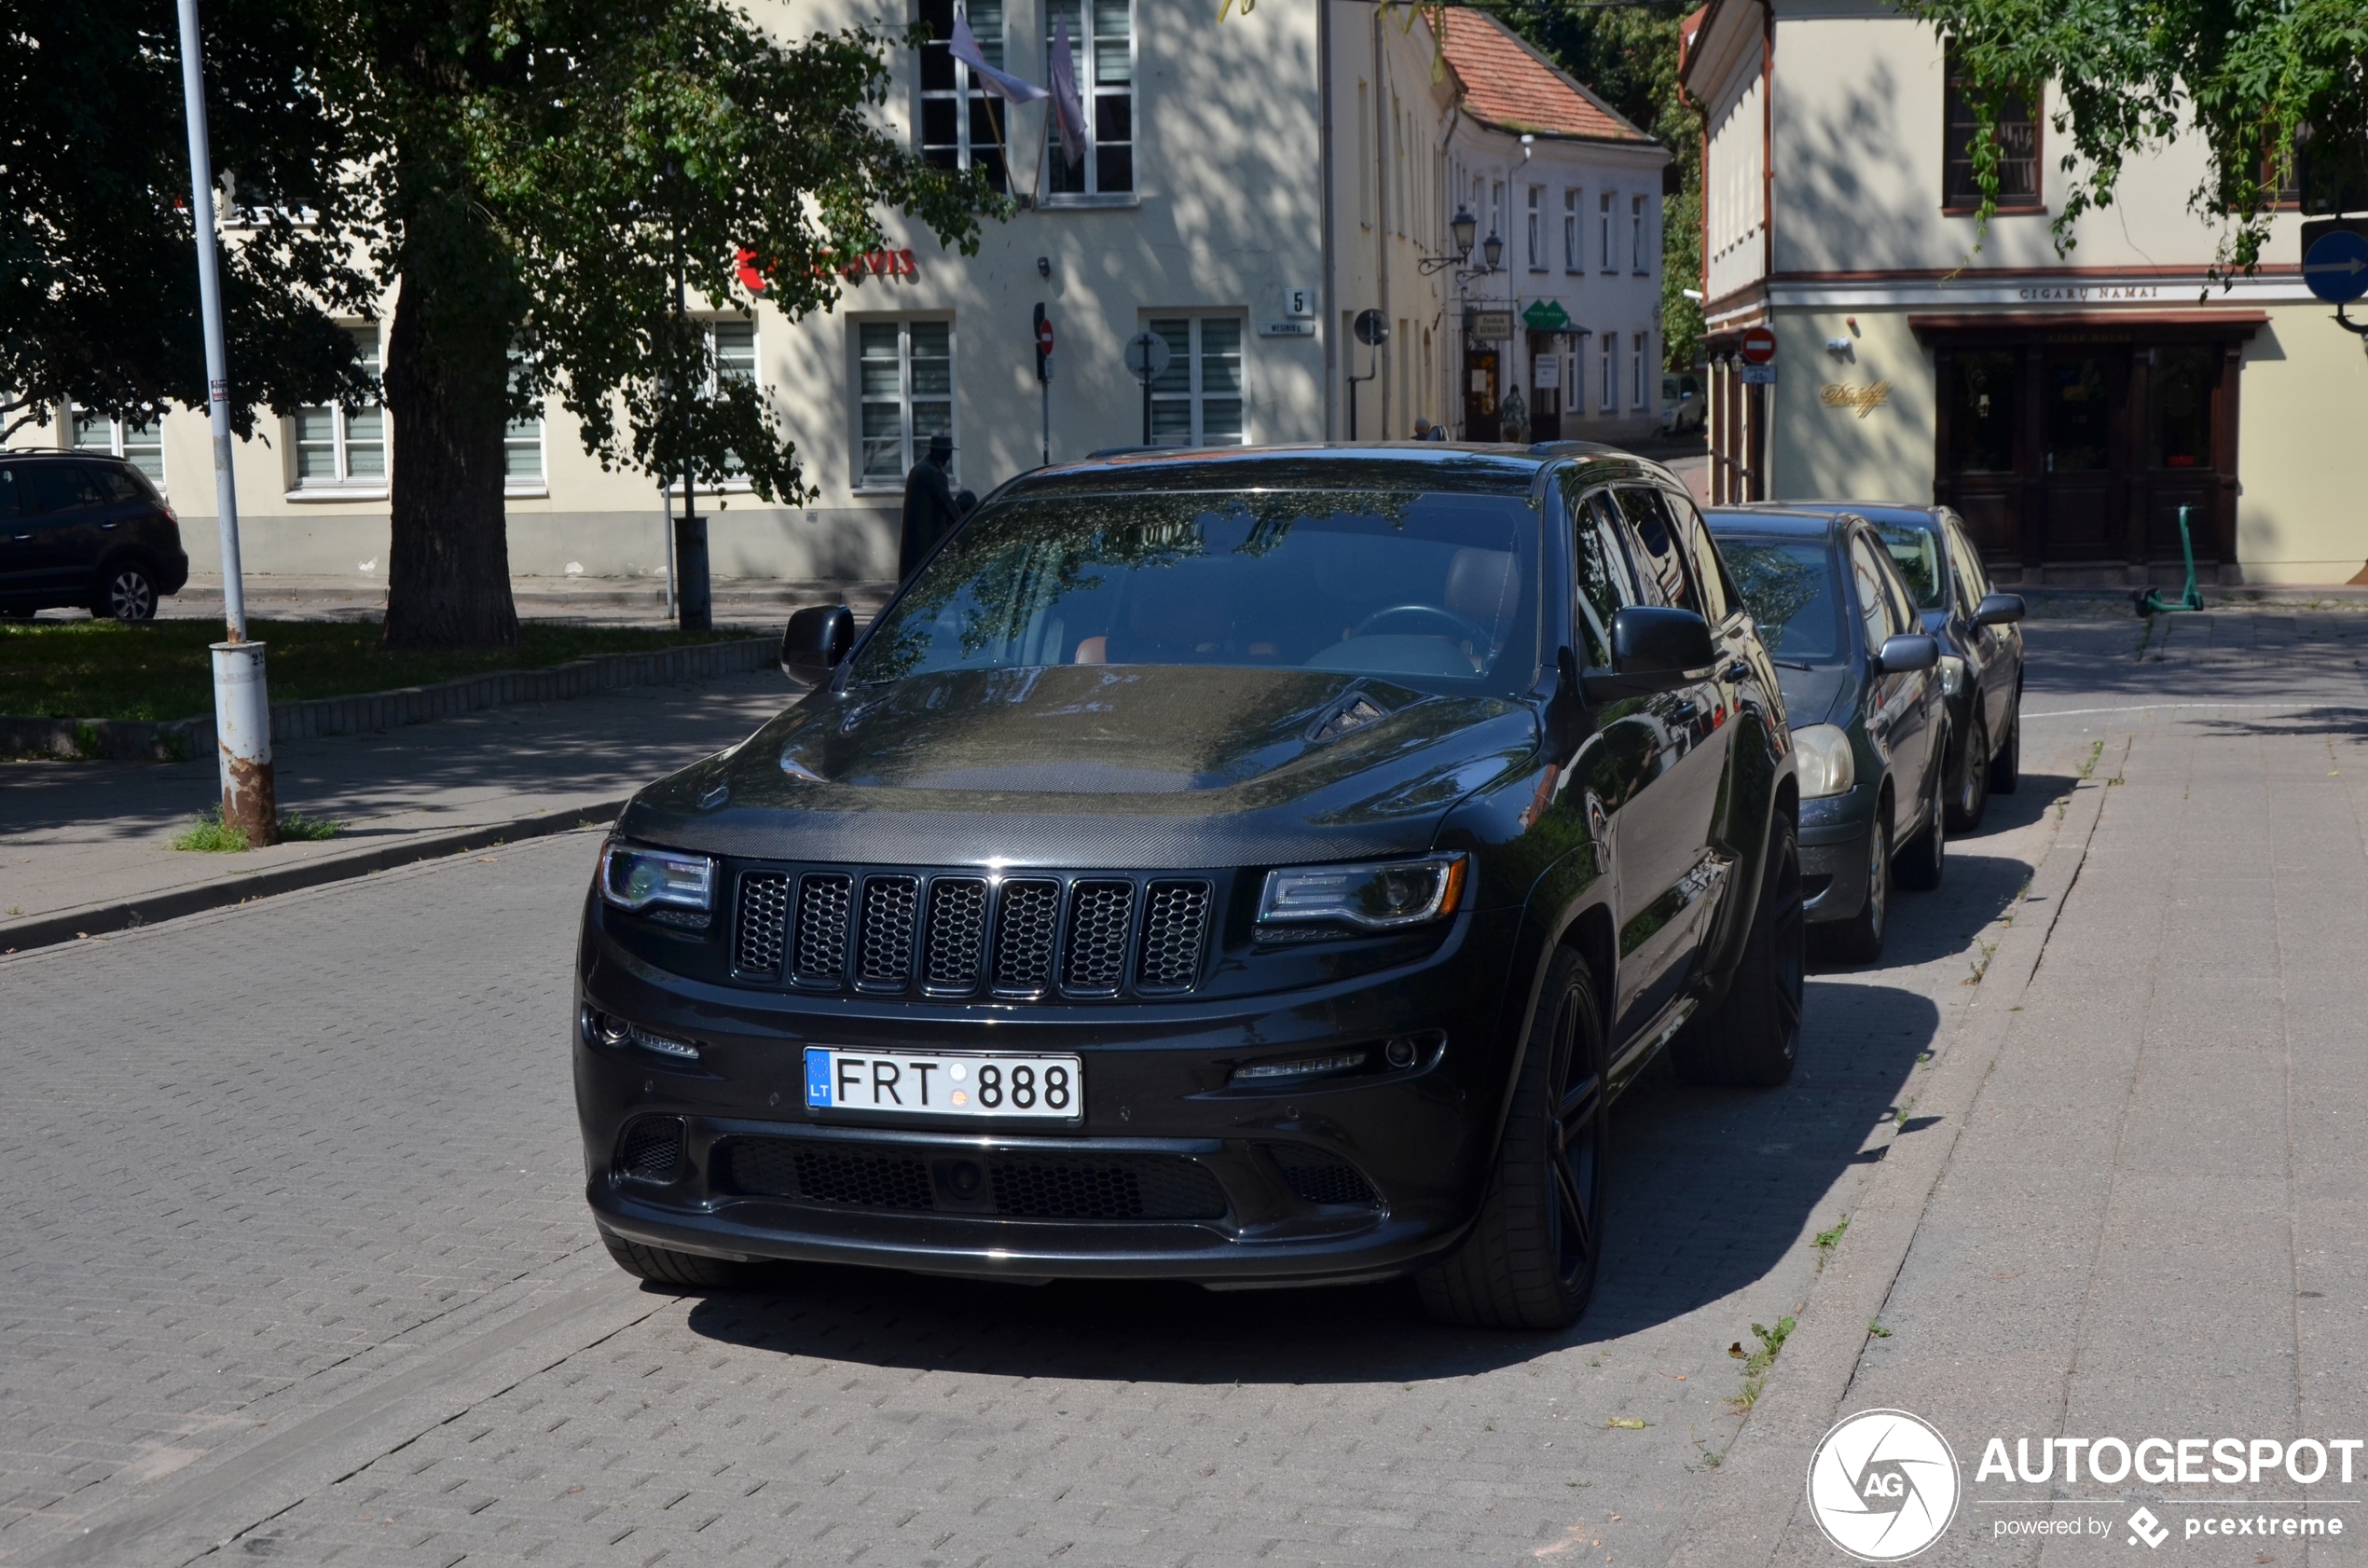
<point>160,669</point>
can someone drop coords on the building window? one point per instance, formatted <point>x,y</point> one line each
<point>336,446</point>
<point>1537,228</point>
<point>522,446</point>
<point>2017,137</point>
<point>1197,400</point>
<point>1637,359</point>
<point>1611,373</point>
<point>905,382</point>
<point>957,129</point>
<point>1102,39</point>
<point>1603,233</point>
<point>1573,252</point>
<point>141,444</point>
<point>1636,233</point>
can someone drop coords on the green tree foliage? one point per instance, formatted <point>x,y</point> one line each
<point>2259,80</point>
<point>98,262</point>
<point>1627,54</point>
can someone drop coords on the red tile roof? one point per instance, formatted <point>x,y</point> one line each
<point>1508,84</point>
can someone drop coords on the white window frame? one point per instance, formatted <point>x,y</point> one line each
<point>1636,234</point>
<point>1603,237</point>
<point>1087,59</point>
<point>911,451</point>
<point>714,328</point>
<point>345,484</point>
<point>965,92</point>
<point>515,435</point>
<point>1537,228</point>
<point>1573,248</point>
<point>1639,352</point>
<point>1197,394</point>
<point>1610,403</point>
<point>119,442</point>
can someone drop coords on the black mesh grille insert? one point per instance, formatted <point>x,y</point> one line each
<point>818,1174</point>
<point>1025,921</point>
<point>884,956</point>
<point>822,900</point>
<point>1099,915</point>
<point>1175,921</point>
<point>1318,1178</point>
<point>958,933</point>
<point>651,1147</point>
<point>1141,1186</point>
<point>764,913</point>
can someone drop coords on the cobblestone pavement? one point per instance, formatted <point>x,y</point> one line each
<point>298,1268</point>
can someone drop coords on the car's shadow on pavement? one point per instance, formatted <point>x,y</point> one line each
<point>1709,1190</point>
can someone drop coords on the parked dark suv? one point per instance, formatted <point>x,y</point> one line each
<point>1254,868</point>
<point>78,529</point>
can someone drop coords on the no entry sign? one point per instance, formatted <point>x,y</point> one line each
<point>1760,346</point>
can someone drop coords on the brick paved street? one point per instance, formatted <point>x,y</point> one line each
<point>297,1267</point>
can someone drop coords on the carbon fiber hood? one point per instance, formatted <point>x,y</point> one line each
<point>1128,766</point>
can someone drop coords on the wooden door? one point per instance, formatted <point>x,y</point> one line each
<point>2082,427</point>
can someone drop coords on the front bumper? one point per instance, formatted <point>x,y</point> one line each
<point>1171,1173</point>
<point>1834,854</point>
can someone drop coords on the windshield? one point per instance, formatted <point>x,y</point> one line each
<point>1916,554</point>
<point>1432,590</point>
<point>1789,586</point>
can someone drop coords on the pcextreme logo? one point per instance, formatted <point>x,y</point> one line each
<point>1884,1485</point>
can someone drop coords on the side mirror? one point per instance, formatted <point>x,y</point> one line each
<point>1906,653</point>
<point>1654,651</point>
<point>817,637</point>
<point>1999,610</point>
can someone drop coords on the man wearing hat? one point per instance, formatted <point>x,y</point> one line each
<point>930,506</point>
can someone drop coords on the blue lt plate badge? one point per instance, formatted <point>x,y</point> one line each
<point>817,1076</point>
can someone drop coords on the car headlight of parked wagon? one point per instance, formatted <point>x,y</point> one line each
<point>1825,765</point>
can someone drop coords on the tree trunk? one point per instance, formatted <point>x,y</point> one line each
<point>448,565</point>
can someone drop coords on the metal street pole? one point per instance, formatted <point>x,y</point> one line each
<point>694,604</point>
<point>241,701</point>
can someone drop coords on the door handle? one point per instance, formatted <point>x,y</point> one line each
<point>105,526</point>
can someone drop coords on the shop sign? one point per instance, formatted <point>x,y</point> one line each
<point>881,264</point>
<point>1491,326</point>
<point>2081,293</point>
<point>1287,329</point>
<point>1866,399</point>
<point>1547,315</point>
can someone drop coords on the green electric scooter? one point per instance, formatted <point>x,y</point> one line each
<point>2150,601</point>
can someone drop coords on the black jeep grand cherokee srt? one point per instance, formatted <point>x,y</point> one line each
<point>1254,868</point>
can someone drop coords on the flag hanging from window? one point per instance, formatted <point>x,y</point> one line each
<point>1069,110</point>
<point>994,83</point>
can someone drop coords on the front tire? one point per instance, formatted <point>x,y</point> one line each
<point>1926,858</point>
<point>1530,1259</point>
<point>1859,940</point>
<point>2007,764</point>
<point>683,1270</point>
<point>1753,1040</point>
<point>1972,786</point>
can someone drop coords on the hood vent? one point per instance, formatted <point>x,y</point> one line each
<point>1354,715</point>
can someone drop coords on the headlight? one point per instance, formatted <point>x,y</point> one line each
<point>1825,765</point>
<point>1377,898</point>
<point>639,879</point>
<point>1952,674</point>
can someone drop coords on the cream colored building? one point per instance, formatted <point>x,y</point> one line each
<point>2067,405</point>
<point>1254,184</point>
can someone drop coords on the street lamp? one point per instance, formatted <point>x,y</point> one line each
<point>1492,252</point>
<point>1463,228</point>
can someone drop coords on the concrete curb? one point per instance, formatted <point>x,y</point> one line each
<point>1762,1477</point>
<point>101,919</point>
<point>177,740</point>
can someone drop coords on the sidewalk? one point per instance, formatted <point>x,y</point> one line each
<point>2128,1203</point>
<point>762,604</point>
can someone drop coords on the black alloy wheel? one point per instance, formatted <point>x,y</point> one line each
<point>2006,762</point>
<point>1753,1038</point>
<point>1530,1259</point>
<point>1973,778</point>
<point>1921,864</point>
<point>130,593</point>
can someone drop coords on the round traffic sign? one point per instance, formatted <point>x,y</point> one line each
<point>1044,337</point>
<point>1371,328</point>
<point>2337,266</point>
<point>1760,346</point>
<point>1147,354</point>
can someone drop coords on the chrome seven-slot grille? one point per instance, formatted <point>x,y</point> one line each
<point>958,934</point>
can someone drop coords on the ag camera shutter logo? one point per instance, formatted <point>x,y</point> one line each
<point>1884,1485</point>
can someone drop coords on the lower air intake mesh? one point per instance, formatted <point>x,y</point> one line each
<point>813,1173</point>
<point>1323,1178</point>
<point>1057,1187</point>
<point>651,1147</point>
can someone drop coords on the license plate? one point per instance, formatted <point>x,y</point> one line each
<point>1004,1088</point>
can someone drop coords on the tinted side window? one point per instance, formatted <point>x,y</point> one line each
<point>55,487</point>
<point>7,494</point>
<point>1709,571</point>
<point>118,484</point>
<point>1968,558</point>
<point>1661,562</point>
<point>1867,586</point>
<point>1600,573</point>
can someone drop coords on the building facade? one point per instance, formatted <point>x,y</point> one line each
<point>2068,405</point>
<point>1252,187</point>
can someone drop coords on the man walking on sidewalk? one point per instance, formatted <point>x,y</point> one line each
<point>931,510</point>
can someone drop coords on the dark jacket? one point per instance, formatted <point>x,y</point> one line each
<point>930,516</point>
